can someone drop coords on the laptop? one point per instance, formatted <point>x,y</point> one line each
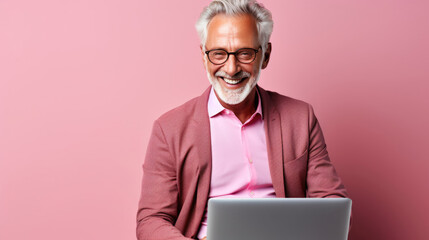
<point>278,218</point>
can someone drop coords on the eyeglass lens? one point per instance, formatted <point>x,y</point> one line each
<point>219,56</point>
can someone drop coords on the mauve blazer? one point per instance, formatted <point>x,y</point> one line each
<point>177,167</point>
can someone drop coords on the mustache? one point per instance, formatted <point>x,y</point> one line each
<point>239,75</point>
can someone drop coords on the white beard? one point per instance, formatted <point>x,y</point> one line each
<point>233,96</point>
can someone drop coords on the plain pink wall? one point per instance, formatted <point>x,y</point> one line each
<point>82,81</point>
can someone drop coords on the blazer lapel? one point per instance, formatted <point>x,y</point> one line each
<point>273,134</point>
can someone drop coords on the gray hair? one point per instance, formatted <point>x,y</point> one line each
<point>264,21</point>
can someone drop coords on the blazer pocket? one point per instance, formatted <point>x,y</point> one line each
<point>301,158</point>
<point>296,174</point>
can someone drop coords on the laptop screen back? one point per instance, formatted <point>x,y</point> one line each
<point>279,218</point>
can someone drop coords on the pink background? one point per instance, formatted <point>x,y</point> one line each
<point>82,81</point>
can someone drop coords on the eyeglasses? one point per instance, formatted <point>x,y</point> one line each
<point>243,55</point>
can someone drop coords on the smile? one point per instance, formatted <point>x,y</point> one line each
<point>233,81</point>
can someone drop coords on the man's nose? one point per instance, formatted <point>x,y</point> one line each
<point>231,66</point>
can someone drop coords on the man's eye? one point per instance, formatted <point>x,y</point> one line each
<point>245,54</point>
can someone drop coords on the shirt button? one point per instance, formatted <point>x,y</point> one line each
<point>252,193</point>
<point>250,160</point>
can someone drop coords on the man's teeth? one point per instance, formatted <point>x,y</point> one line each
<point>232,81</point>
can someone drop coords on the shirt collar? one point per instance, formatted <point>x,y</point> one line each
<point>214,107</point>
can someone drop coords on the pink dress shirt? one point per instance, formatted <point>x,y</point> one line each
<point>239,156</point>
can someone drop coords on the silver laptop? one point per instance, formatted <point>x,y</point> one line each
<point>278,218</point>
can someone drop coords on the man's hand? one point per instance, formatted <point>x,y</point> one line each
<point>204,238</point>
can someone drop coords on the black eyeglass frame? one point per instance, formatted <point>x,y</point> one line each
<point>233,53</point>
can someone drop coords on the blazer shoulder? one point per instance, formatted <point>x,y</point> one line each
<point>286,104</point>
<point>179,119</point>
<point>297,115</point>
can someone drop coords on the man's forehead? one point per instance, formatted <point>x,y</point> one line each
<point>229,29</point>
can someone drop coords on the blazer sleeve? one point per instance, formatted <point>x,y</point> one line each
<point>157,211</point>
<point>322,179</point>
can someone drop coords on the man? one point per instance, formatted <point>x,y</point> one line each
<point>235,140</point>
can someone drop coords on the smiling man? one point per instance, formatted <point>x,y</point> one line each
<point>236,139</point>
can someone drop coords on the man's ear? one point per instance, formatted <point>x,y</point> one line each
<point>203,54</point>
<point>266,56</point>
